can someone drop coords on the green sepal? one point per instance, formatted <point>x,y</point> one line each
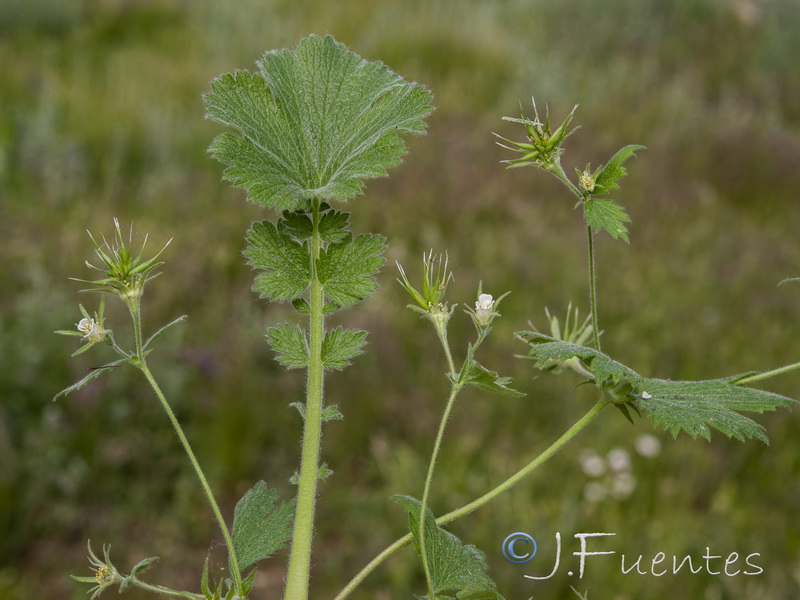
<point>261,526</point>
<point>346,270</point>
<point>606,177</point>
<point>340,345</point>
<point>247,582</point>
<point>126,583</point>
<point>290,344</point>
<point>285,263</point>
<point>204,582</point>
<point>480,377</point>
<point>144,565</point>
<point>457,570</point>
<point>605,214</point>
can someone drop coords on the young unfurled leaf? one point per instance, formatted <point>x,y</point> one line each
<point>340,345</point>
<point>694,406</point>
<point>144,565</point>
<point>313,123</point>
<point>296,224</point>
<point>605,369</point>
<point>333,226</point>
<point>606,179</point>
<point>690,406</point>
<point>284,261</point>
<point>290,344</point>
<point>457,571</point>
<point>479,376</point>
<point>604,213</point>
<point>261,526</point>
<point>346,269</point>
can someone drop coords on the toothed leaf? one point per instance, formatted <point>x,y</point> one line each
<point>457,570</point>
<point>694,407</point>
<point>340,345</point>
<point>290,344</point>
<point>605,214</point>
<point>608,176</point>
<point>312,123</point>
<point>697,406</point>
<point>261,526</point>
<point>284,262</point>
<point>480,377</point>
<point>346,270</point>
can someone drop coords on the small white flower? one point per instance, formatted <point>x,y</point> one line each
<point>485,302</point>
<point>484,308</point>
<point>91,330</point>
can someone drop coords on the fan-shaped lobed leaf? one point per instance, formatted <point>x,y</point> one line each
<point>313,123</point>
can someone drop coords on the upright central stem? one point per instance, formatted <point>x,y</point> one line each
<point>300,557</point>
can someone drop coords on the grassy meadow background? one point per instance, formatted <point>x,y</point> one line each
<point>101,116</point>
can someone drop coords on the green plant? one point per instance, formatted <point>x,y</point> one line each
<point>307,129</point>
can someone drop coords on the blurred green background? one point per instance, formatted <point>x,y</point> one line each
<point>101,116</point>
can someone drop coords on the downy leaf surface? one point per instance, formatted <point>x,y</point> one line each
<point>340,345</point>
<point>605,214</point>
<point>346,270</point>
<point>284,261</point>
<point>457,570</point>
<point>606,179</point>
<point>312,123</point>
<point>694,407</point>
<point>290,345</point>
<point>261,525</point>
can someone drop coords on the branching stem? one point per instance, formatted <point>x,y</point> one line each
<point>142,366</point>
<point>487,497</point>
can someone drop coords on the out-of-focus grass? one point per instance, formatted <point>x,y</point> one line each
<point>101,116</point>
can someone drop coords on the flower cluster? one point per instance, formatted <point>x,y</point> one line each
<point>543,147</point>
<point>124,274</point>
<point>435,278</point>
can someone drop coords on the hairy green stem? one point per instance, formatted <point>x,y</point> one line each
<point>164,591</point>
<point>235,573</point>
<point>487,497</point>
<point>527,469</point>
<point>428,480</point>
<point>135,309</point>
<point>592,289</point>
<point>300,556</point>
<point>768,374</point>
